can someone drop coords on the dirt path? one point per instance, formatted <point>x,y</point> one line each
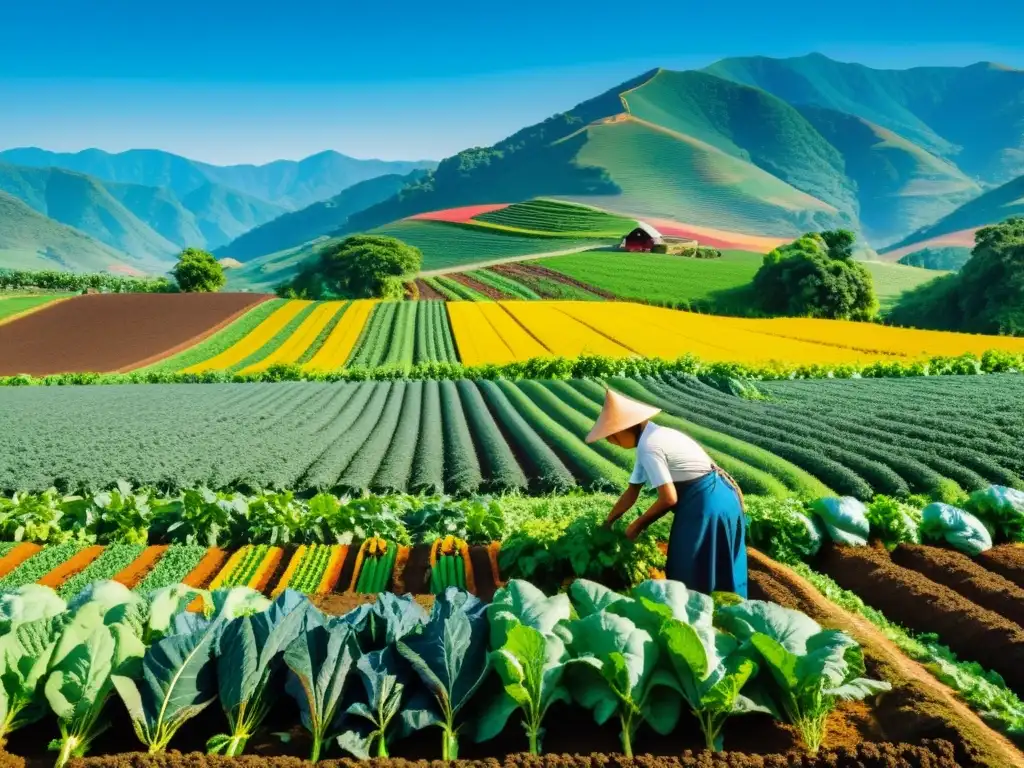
<point>511,259</point>
<point>919,706</point>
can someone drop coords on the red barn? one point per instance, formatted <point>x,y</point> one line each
<point>643,238</point>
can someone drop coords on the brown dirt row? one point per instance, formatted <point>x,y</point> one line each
<point>536,270</point>
<point>426,292</point>
<point>967,577</point>
<point>104,333</point>
<point>487,290</point>
<point>1007,560</point>
<point>932,755</point>
<point>919,706</point>
<point>922,605</point>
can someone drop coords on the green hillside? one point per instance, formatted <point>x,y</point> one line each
<point>286,183</point>
<point>950,258</point>
<point>660,173</point>
<point>559,218</point>
<point>900,186</point>
<point>972,115</point>
<point>223,214</point>
<point>23,230</point>
<point>314,220</point>
<point>82,202</point>
<point>893,280</point>
<point>991,208</point>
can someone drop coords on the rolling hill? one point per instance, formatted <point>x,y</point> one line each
<point>972,115</point>
<point>288,184</point>
<point>956,230</point>
<point>22,229</point>
<point>315,220</point>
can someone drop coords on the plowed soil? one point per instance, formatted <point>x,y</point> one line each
<point>528,273</point>
<point>426,292</point>
<point>103,333</point>
<point>922,605</point>
<point>962,574</point>
<point>932,755</point>
<point>919,706</point>
<point>1007,560</point>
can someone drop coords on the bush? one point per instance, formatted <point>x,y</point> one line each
<point>198,272</point>
<point>361,266</point>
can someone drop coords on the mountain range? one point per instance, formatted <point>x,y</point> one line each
<point>756,146</point>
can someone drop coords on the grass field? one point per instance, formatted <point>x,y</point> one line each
<point>892,280</point>
<point>658,277</point>
<point>447,245</point>
<point>12,307</point>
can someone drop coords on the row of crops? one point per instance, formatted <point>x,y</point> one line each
<point>162,595</point>
<point>938,435</point>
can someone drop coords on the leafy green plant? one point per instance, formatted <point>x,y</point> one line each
<point>528,652</point>
<point>250,654</point>
<point>116,515</point>
<point>894,522</point>
<point>449,653</point>
<point>200,516</point>
<point>25,653</point>
<point>781,529</point>
<point>812,669</point>
<point>1001,509</point>
<point>320,660</point>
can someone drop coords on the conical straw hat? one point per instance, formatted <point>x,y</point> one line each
<point>619,413</point>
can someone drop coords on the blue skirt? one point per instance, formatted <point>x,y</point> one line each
<point>707,548</point>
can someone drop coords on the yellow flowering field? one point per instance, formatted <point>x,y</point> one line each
<point>253,341</point>
<point>338,346</point>
<point>296,344</point>
<point>619,329</point>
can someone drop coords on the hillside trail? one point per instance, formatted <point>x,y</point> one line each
<point>510,260</point>
<point>925,700</point>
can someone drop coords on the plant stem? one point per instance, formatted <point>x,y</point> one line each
<point>534,741</point>
<point>67,748</point>
<point>627,734</point>
<point>315,754</point>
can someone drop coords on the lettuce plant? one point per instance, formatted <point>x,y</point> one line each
<point>528,642</point>
<point>385,621</point>
<point>812,669</point>
<point>449,653</point>
<point>249,654</point>
<point>320,660</point>
<point>25,653</point>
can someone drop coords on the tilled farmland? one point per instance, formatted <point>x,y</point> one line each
<point>114,332</point>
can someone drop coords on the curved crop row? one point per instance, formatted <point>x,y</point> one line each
<point>499,469</point>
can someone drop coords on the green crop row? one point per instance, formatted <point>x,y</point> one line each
<point>434,341</point>
<point>40,564</point>
<point>178,561</point>
<point>308,575</point>
<point>511,288</point>
<point>111,562</point>
<point>454,288</point>
<point>328,329</point>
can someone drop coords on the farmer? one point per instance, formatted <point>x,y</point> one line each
<point>707,548</point>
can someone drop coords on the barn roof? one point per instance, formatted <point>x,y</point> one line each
<point>649,229</point>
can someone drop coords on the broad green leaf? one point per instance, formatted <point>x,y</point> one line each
<point>589,597</point>
<point>28,603</point>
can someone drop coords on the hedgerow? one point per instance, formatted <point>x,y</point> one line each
<point>542,368</point>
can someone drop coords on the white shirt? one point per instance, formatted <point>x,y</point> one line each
<point>666,455</point>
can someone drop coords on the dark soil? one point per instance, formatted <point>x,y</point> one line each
<point>280,568</point>
<point>922,605</point>
<point>417,571</point>
<point>482,574</point>
<point>348,568</point>
<point>919,707</point>
<point>487,290</point>
<point>426,292</point>
<point>337,604</point>
<point>104,333</point>
<point>962,574</point>
<point>1007,560</point>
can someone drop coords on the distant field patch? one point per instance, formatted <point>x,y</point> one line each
<point>558,218</point>
<point>663,278</point>
<point>962,239</point>
<point>717,238</point>
<point>459,215</point>
<point>13,307</point>
<point>446,245</point>
<point>893,280</point>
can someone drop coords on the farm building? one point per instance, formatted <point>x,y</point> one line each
<point>643,238</point>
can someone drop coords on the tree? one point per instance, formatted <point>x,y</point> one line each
<point>816,276</point>
<point>986,296</point>
<point>198,272</point>
<point>361,266</point>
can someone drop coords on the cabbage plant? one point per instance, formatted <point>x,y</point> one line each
<point>811,669</point>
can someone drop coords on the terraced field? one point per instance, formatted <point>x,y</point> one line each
<point>445,245</point>
<point>855,437</point>
<point>554,217</point>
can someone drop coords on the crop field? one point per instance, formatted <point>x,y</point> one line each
<point>461,215</point>
<point>720,283</point>
<point>554,217</point>
<point>893,280</point>
<point>420,582</point>
<point>115,332</point>
<point>855,437</point>
<point>621,329</point>
<point>446,246</point>
<point>402,334</point>
<point>15,306</point>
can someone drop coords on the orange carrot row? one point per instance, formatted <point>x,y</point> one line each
<point>203,572</point>
<point>16,557</point>
<point>141,566</point>
<point>401,559</point>
<point>332,573</point>
<point>265,571</point>
<point>71,566</point>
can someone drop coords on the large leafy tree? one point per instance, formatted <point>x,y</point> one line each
<point>361,266</point>
<point>816,276</point>
<point>986,296</point>
<point>198,272</point>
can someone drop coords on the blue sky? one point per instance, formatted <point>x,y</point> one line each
<point>228,82</point>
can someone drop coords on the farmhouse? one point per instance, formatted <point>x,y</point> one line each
<point>643,238</point>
